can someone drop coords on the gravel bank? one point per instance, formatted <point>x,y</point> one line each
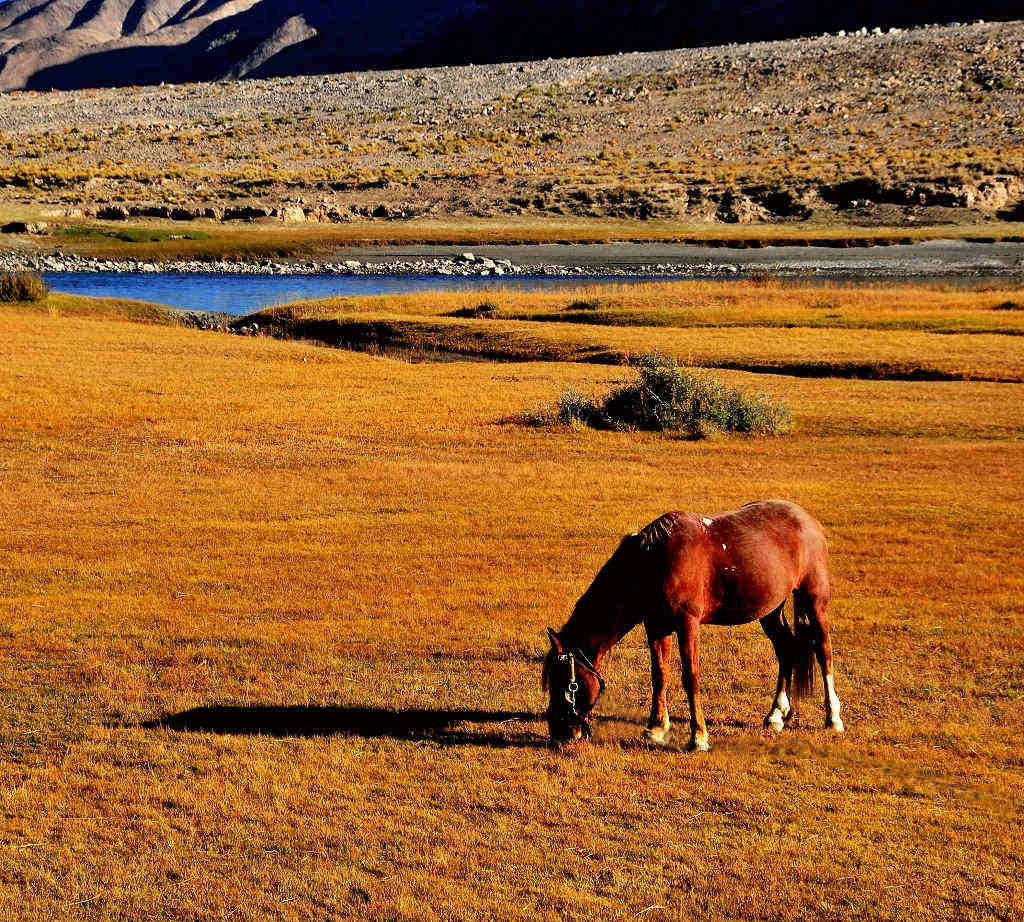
<point>930,259</point>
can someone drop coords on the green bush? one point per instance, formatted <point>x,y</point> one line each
<point>667,398</point>
<point>22,286</point>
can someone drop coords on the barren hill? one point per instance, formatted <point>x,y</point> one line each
<point>67,44</point>
<point>913,126</point>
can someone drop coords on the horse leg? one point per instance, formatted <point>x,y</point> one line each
<point>658,725</point>
<point>689,649</point>
<point>814,607</point>
<point>832,704</point>
<point>781,637</point>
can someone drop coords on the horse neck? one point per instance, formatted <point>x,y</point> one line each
<point>594,629</point>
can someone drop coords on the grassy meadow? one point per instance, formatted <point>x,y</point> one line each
<point>765,326</point>
<point>272,616</point>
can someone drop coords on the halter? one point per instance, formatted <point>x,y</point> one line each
<point>569,658</point>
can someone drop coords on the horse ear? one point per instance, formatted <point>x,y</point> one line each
<point>556,644</point>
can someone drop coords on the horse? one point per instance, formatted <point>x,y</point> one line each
<point>684,570</point>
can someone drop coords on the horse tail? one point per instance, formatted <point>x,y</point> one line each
<point>805,640</point>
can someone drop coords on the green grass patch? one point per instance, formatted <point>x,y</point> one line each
<point>128,234</point>
<point>156,239</point>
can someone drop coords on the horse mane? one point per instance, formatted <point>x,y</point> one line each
<point>649,538</point>
<point>655,534</point>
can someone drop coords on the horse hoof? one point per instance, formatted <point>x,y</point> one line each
<point>775,721</point>
<point>656,736</point>
<point>698,744</point>
<point>836,725</point>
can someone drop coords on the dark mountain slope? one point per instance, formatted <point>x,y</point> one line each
<point>513,30</point>
<point>77,43</point>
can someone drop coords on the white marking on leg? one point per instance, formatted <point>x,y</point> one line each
<point>706,521</point>
<point>832,719</point>
<point>781,709</point>
<point>700,743</point>
<point>658,736</point>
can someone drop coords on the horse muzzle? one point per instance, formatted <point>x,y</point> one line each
<point>564,732</point>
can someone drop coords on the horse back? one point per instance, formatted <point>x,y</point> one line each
<point>738,566</point>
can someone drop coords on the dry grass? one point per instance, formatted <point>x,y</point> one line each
<point>193,520</point>
<point>16,287</point>
<point>60,304</point>
<point>884,332</point>
<point>935,307</point>
<point>163,240</point>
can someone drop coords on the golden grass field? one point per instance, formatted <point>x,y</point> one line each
<point>336,548</point>
<point>770,326</point>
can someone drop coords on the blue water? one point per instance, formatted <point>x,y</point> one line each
<point>243,294</point>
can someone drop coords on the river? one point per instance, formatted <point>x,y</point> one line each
<point>386,270</point>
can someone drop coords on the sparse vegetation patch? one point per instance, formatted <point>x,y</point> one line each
<point>485,309</point>
<point>900,131</point>
<point>22,286</point>
<point>128,234</point>
<point>667,398</point>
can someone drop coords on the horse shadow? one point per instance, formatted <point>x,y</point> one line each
<point>458,726</point>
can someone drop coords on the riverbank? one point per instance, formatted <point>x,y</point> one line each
<point>928,259</point>
<point>39,231</point>
<point>897,332</point>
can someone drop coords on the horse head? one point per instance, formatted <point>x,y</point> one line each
<point>574,685</point>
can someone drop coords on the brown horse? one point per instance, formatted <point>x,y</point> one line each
<point>684,570</point>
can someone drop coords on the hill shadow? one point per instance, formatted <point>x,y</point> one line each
<point>445,726</point>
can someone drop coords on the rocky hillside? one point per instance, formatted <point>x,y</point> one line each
<point>67,44</point>
<point>898,128</point>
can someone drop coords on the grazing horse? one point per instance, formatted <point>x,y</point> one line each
<point>684,570</point>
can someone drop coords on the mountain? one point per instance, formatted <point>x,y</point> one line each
<point>67,44</point>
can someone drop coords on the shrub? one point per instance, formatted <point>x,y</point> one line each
<point>22,286</point>
<point>667,398</point>
<point>762,276</point>
<point>486,309</point>
<point>1009,306</point>
<point>575,409</point>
